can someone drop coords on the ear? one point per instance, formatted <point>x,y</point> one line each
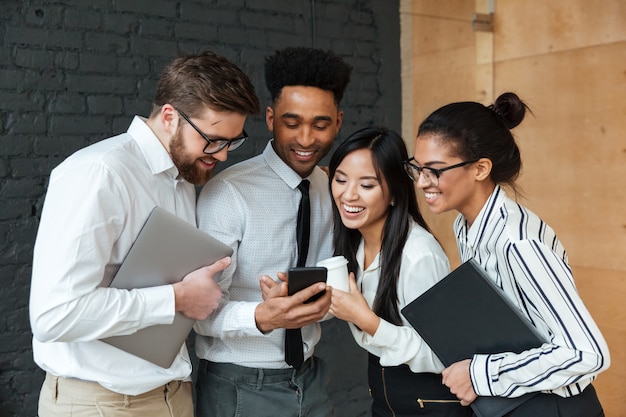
<point>483,169</point>
<point>168,117</point>
<point>269,118</point>
<point>339,120</point>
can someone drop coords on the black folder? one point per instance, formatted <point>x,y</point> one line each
<point>465,314</point>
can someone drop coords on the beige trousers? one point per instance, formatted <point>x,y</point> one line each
<point>76,398</point>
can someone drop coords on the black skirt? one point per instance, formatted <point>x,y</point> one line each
<point>399,392</point>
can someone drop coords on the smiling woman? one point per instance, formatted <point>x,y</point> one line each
<point>393,259</point>
<point>520,253</point>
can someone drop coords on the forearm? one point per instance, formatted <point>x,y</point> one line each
<point>100,313</point>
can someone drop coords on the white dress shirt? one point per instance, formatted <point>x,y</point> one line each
<point>253,207</point>
<point>524,257</point>
<point>96,203</point>
<point>423,264</point>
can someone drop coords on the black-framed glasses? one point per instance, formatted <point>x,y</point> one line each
<point>216,145</point>
<point>430,175</point>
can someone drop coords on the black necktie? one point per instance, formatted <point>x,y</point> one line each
<point>294,355</point>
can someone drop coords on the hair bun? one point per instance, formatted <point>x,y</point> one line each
<point>510,109</point>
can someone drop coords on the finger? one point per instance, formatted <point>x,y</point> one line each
<point>282,276</point>
<point>219,265</point>
<point>303,295</point>
<point>268,282</point>
<point>352,283</point>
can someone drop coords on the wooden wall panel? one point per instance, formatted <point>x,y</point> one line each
<point>567,60</point>
<point>603,293</point>
<point>538,27</point>
<point>573,148</point>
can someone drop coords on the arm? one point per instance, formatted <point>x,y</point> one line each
<point>83,232</point>
<point>576,350</point>
<point>398,344</point>
<point>219,213</point>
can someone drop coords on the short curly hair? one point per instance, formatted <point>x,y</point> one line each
<point>307,67</point>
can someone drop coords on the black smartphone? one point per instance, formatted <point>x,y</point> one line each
<point>303,277</point>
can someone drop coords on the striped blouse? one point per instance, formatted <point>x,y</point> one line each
<point>523,256</point>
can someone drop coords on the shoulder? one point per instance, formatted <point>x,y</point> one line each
<point>523,224</point>
<point>421,244</point>
<point>107,157</point>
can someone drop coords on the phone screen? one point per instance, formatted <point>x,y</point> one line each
<point>303,277</point>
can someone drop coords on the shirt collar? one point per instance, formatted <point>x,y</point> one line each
<point>475,232</point>
<point>360,258</point>
<point>157,157</point>
<point>284,171</point>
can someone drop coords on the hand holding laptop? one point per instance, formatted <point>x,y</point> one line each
<point>197,295</point>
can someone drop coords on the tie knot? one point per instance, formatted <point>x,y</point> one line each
<point>304,187</point>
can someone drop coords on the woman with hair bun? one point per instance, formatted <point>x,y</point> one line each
<point>464,155</point>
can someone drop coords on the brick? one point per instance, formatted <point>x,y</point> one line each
<point>10,78</point>
<point>163,8</point>
<point>15,145</point>
<point>232,36</point>
<point>82,19</point>
<point>79,125</point>
<point>43,37</point>
<point>67,103</point>
<point>104,105</point>
<point>66,60</point>
<point>12,101</point>
<point>97,63</point>
<point>288,23</point>
<point>99,84</point>
<point>133,106</point>
<point>135,65</point>
<point>195,31</point>
<point>29,167</point>
<point>20,188</point>
<point>156,27</point>
<point>28,124</point>
<point>43,15</point>
<point>121,23</point>
<point>163,48</point>
<point>4,168</point>
<point>41,80</point>
<point>106,42</point>
<point>208,15</point>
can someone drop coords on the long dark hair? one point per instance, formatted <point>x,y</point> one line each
<point>388,152</point>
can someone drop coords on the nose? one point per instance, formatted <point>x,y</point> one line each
<point>421,181</point>
<point>351,192</point>
<point>307,137</point>
<point>221,155</point>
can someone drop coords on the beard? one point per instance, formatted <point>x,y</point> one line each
<point>186,165</point>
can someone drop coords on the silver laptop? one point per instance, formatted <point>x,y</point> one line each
<point>166,249</point>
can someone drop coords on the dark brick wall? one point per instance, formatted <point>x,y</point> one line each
<point>73,72</point>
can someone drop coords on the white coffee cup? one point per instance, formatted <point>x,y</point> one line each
<point>337,272</point>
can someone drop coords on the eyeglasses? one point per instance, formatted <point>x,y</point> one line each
<point>430,175</point>
<point>216,145</point>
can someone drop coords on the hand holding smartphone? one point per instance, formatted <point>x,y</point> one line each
<point>303,277</point>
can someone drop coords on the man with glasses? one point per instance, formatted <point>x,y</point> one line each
<point>253,206</point>
<point>96,203</point>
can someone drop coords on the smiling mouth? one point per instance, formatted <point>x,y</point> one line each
<point>304,154</point>
<point>431,195</point>
<point>353,209</point>
<point>210,162</point>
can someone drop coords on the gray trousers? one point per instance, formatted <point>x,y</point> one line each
<point>228,390</point>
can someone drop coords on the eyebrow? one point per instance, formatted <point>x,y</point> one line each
<point>369,177</point>
<point>289,115</point>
